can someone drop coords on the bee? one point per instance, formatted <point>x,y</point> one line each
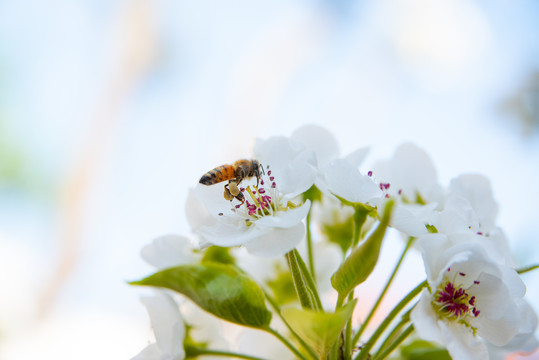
<point>235,173</point>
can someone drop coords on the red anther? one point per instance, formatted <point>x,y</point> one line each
<point>369,173</point>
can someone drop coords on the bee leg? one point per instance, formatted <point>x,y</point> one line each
<point>233,188</point>
<point>227,194</point>
<point>240,197</point>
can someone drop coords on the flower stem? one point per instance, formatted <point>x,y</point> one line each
<point>196,351</point>
<point>287,343</point>
<point>393,334</point>
<point>347,342</point>
<point>375,307</point>
<point>381,328</point>
<point>396,343</point>
<point>277,309</point>
<point>528,268</point>
<point>310,245</point>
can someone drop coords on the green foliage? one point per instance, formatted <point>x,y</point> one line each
<point>218,254</point>
<point>341,233</point>
<point>423,350</point>
<point>320,330</point>
<point>220,289</point>
<point>303,282</point>
<point>361,262</point>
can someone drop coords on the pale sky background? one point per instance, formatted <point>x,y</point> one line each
<point>111,110</point>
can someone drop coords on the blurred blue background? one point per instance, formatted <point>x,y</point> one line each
<point>111,110</point>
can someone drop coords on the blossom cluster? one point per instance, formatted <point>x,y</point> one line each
<point>311,198</point>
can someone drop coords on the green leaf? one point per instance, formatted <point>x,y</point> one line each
<point>220,289</point>
<point>218,254</point>
<point>423,350</point>
<point>361,262</point>
<point>320,330</point>
<point>303,282</point>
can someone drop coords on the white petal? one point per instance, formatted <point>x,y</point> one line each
<point>344,180</point>
<point>167,324</point>
<point>277,151</point>
<point>410,170</point>
<point>297,176</point>
<point>424,319</point>
<point>227,234</point>
<point>196,208</point>
<point>167,251</point>
<point>276,242</point>
<point>461,343</point>
<point>318,139</point>
<point>405,221</point>
<point>357,157</point>
<point>150,352</point>
<point>477,190</point>
<point>285,219</point>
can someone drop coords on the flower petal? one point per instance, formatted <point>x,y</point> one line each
<point>424,319</point>
<point>167,251</point>
<point>277,242</point>
<point>343,179</point>
<point>285,219</point>
<point>167,325</point>
<point>319,140</point>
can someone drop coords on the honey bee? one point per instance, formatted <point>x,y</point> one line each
<point>235,173</point>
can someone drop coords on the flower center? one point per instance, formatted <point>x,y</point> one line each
<point>453,301</point>
<point>261,200</point>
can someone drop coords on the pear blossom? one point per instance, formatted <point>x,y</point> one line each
<point>168,251</point>
<point>269,222</point>
<point>410,174</point>
<point>168,327</point>
<point>410,177</point>
<point>471,300</point>
<point>343,179</point>
<point>470,208</point>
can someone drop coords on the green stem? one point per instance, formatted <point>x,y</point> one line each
<point>375,307</point>
<point>195,351</point>
<point>393,334</point>
<point>381,328</point>
<point>528,268</point>
<point>396,343</point>
<point>310,245</point>
<point>287,343</point>
<point>347,342</point>
<point>277,309</point>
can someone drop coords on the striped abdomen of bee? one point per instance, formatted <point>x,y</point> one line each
<point>220,173</point>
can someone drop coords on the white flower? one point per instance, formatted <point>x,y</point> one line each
<point>326,148</point>
<point>411,174</point>
<point>410,177</point>
<point>291,164</point>
<point>343,179</point>
<point>168,251</point>
<point>471,299</point>
<point>168,328</point>
<point>470,208</point>
<point>268,222</point>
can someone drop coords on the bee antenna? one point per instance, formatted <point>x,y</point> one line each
<point>262,167</point>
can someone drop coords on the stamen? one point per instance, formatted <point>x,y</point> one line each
<point>369,173</point>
